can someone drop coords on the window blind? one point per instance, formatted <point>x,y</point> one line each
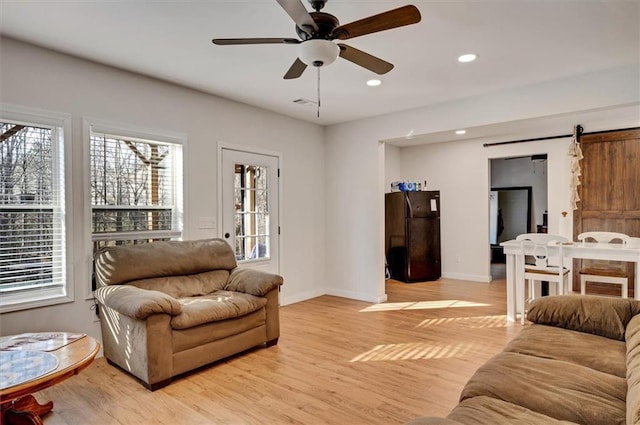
<point>135,189</point>
<point>32,214</point>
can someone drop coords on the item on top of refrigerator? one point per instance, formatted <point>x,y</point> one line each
<point>406,186</point>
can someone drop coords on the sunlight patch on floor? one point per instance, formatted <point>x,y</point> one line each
<point>474,322</point>
<point>415,351</point>
<point>422,305</point>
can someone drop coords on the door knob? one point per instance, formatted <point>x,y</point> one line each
<point>226,235</point>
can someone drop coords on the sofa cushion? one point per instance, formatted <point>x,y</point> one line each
<point>121,264</point>
<point>595,352</point>
<point>604,316</point>
<point>487,410</point>
<point>632,337</point>
<point>252,281</point>
<point>186,286</point>
<point>219,305</point>
<point>186,339</point>
<point>554,388</point>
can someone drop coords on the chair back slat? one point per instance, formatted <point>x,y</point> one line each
<point>539,242</point>
<point>604,271</point>
<point>604,237</point>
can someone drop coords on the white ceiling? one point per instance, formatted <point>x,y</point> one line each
<point>518,42</point>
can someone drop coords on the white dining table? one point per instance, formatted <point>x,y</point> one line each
<point>515,254</point>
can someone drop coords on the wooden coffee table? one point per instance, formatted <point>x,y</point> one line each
<point>17,404</point>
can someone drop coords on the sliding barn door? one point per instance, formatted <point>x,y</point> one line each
<point>610,191</point>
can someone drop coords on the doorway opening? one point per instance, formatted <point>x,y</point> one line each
<point>518,201</point>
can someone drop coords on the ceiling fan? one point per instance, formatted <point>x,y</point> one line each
<point>317,30</point>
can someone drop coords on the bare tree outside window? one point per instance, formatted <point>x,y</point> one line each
<point>30,207</point>
<point>133,185</point>
<point>252,212</point>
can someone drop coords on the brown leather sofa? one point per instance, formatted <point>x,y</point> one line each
<point>170,307</point>
<point>578,363</point>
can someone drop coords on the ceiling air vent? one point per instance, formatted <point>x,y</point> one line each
<point>304,102</point>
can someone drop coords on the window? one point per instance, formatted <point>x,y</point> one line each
<point>135,188</point>
<point>33,228</point>
<point>251,212</point>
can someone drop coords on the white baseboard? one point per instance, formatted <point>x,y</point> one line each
<point>286,300</point>
<point>356,295</point>
<point>469,277</point>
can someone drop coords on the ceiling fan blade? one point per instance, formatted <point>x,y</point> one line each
<point>395,18</point>
<point>296,10</point>
<point>296,70</point>
<point>365,60</point>
<point>235,41</point>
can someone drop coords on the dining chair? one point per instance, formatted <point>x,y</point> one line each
<point>537,268</point>
<point>604,271</point>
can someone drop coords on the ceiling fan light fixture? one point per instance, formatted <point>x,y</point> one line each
<point>374,82</point>
<point>318,52</point>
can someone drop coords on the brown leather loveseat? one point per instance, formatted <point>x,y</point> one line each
<point>170,307</point>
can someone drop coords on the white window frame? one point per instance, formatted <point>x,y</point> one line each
<point>90,124</point>
<point>60,123</point>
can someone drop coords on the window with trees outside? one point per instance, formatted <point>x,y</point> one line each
<point>33,216</point>
<point>136,189</point>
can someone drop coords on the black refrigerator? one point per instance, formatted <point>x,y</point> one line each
<point>412,235</point>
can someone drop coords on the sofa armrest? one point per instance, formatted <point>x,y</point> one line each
<point>604,316</point>
<point>251,281</point>
<point>137,303</point>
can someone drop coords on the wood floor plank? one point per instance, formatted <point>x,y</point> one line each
<point>338,361</point>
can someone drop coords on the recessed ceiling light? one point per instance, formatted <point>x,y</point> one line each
<point>461,131</point>
<point>469,57</point>
<point>374,82</point>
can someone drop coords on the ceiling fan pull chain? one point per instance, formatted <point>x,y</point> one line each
<point>318,68</point>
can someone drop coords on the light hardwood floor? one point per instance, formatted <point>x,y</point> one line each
<point>338,361</point>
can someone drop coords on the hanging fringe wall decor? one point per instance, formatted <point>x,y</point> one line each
<point>576,155</point>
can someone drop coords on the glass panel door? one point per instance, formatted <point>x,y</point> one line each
<point>251,196</point>
<point>250,208</point>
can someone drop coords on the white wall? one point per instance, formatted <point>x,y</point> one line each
<point>460,170</point>
<point>513,205</point>
<point>336,245</point>
<point>523,172</point>
<point>354,261</point>
<point>38,78</point>
<point>355,244</point>
<point>493,217</point>
<point>392,167</point>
